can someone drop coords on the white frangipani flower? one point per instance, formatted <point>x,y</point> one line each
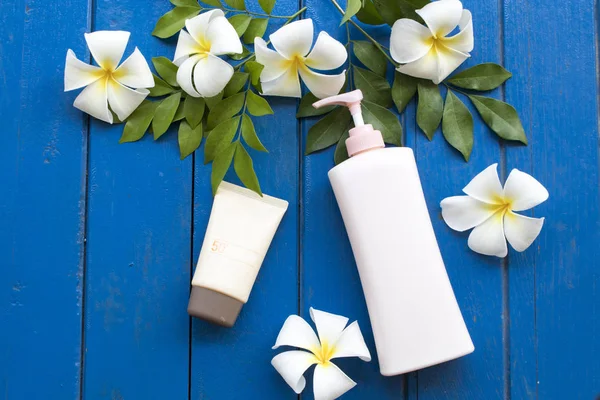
<point>109,83</point>
<point>335,340</point>
<point>428,52</point>
<point>201,72</point>
<point>293,42</point>
<point>490,209</point>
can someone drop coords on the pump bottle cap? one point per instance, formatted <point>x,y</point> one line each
<point>362,137</point>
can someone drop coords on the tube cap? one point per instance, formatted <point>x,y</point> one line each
<point>213,306</point>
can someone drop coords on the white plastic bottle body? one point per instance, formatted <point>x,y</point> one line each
<point>415,318</point>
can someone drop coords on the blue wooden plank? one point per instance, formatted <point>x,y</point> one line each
<point>553,285</point>
<point>477,280</point>
<point>139,239</point>
<point>42,148</point>
<point>234,363</point>
<point>330,280</point>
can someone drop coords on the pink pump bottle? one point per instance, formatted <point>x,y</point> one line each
<point>413,311</point>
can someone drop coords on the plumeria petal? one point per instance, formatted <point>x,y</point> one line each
<point>327,53</point>
<point>186,46</point>
<point>198,25</point>
<point>297,332</point>
<point>135,72</point>
<point>488,238</point>
<point>448,61</point>
<point>426,67</point>
<point>521,231</point>
<point>322,85</point>
<point>523,191</point>
<point>79,74</point>
<point>351,344</point>
<point>409,41</point>
<point>211,75</point>
<point>184,75</point>
<point>123,100</point>
<point>292,365</point>
<point>94,101</point>
<point>222,37</point>
<point>287,85</point>
<point>274,64</point>
<point>294,39</point>
<point>486,186</point>
<point>330,382</point>
<point>107,47</point>
<point>462,41</point>
<point>441,16</point>
<point>464,212</point>
<point>329,326</point>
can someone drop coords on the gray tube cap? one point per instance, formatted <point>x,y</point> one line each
<point>214,307</point>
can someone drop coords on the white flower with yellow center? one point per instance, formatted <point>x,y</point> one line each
<point>335,340</point>
<point>201,72</point>
<point>489,208</point>
<point>281,68</point>
<point>428,52</point>
<point>108,83</point>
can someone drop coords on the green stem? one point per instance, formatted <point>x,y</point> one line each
<point>379,47</point>
<point>455,89</point>
<point>253,55</point>
<point>350,70</point>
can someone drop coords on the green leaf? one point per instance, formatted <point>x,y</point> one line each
<point>219,138</point>
<point>457,125</point>
<point>408,8</point>
<point>215,3</point>
<point>403,90</point>
<point>341,151</point>
<point>328,130</point>
<point>193,109</point>
<point>237,4</point>
<point>430,108</point>
<point>245,53</point>
<point>240,22</point>
<point>179,114</point>
<point>501,117</point>
<point>389,11</point>
<point>254,69</point>
<point>257,105</point>
<point>375,88</point>
<point>249,134</point>
<point>160,88</point>
<point>164,114</point>
<point>166,69</point>
<point>267,5</point>
<point>172,22</point>
<point>213,101</point>
<point>185,3</point>
<point>221,165</point>
<point>257,28</point>
<point>236,83</point>
<point>384,121</point>
<point>306,109</point>
<point>368,54</point>
<point>481,77</point>
<point>189,139</point>
<point>138,122</point>
<point>225,109</point>
<point>244,168</point>
<point>368,14</point>
<point>351,9</point>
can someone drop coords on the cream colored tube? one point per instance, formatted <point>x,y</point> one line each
<point>240,230</point>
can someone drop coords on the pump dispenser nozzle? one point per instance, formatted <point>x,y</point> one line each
<point>362,137</point>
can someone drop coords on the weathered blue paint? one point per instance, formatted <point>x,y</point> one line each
<point>105,318</point>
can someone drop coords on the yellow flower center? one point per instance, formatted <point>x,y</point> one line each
<point>502,206</point>
<point>324,353</point>
<point>202,47</point>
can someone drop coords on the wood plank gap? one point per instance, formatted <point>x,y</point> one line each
<point>83,207</point>
<point>192,206</point>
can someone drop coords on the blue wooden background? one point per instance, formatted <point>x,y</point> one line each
<point>98,240</point>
